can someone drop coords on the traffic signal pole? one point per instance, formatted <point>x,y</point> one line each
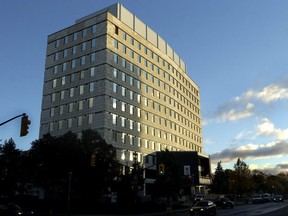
<point>25,122</point>
<point>24,114</point>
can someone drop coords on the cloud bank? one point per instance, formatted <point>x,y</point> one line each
<point>251,151</point>
<point>243,106</point>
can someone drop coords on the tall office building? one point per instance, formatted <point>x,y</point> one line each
<point>111,72</point>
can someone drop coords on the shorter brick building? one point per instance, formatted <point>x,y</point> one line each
<point>193,169</point>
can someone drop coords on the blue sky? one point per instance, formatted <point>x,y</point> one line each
<point>236,51</point>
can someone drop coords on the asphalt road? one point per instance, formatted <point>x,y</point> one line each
<point>265,209</point>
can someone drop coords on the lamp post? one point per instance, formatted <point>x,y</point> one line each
<point>69,191</point>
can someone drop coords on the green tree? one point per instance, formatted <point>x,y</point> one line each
<point>97,178</point>
<point>241,177</point>
<point>220,180</point>
<point>258,179</point>
<point>9,168</point>
<point>63,167</point>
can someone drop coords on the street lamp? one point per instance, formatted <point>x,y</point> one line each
<point>69,191</point>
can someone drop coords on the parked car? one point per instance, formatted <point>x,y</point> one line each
<point>278,198</point>
<point>12,209</point>
<point>224,202</point>
<point>266,198</point>
<point>203,207</point>
<point>257,199</point>
<point>198,197</point>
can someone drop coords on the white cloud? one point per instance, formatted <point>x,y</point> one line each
<point>268,94</point>
<point>207,141</point>
<point>234,114</point>
<point>266,128</point>
<point>243,106</point>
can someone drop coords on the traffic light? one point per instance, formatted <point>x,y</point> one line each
<point>25,122</point>
<point>93,160</point>
<point>161,169</point>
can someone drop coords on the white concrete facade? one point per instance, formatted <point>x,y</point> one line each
<point>111,72</point>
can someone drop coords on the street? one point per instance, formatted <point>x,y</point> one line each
<point>265,209</point>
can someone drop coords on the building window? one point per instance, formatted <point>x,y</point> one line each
<point>73,63</point>
<point>123,122</point>
<point>124,49</point>
<point>115,58</point>
<point>131,95</point>
<point>131,40</point>
<point>57,43</point>
<point>69,123</point>
<point>123,77</point>
<point>79,121</point>
<point>71,92</point>
<point>61,110</point>
<point>115,44</point>
<point>66,39</point>
<point>115,72</point>
<point>114,103</point>
<point>114,119</point>
<point>56,56</point>
<point>90,102</point>
<point>114,87</point>
<point>138,84</point>
<point>81,89</point>
<point>52,112</point>
<point>153,145</point>
<point>131,81</point>
<point>94,29</point>
<point>123,63</point>
<point>53,97</point>
<point>91,87</point>
<point>62,95</point>
<point>70,109</point>
<point>75,36</point>
<point>93,57</point>
<point>80,105</point>
<point>55,69</point>
<point>138,112</point>
<point>72,77</point>
<point>146,143</point>
<point>54,83</point>
<point>51,126</point>
<point>83,46</point>
<point>65,53</point>
<point>60,125</point>
<point>124,35</point>
<point>64,66</point>
<point>93,43</point>
<point>138,125</point>
<point>131,109</point>
<point>63,79</point>
<point>84,33</point>
<point>92,71</point>
<point>131,124</point>
<point>123,91</point>
<point>114,135</point>
<point>74,50</point>
<point>90,118</point>
<point>82,61</point>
